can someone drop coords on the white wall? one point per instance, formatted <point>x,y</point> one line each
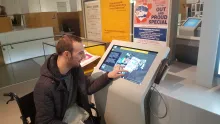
<point>12,6</point>
<point>15,6</point>
<point>75,5</point>
<point>34,6</point>
<point>51,5</point>
<point>46,5</point>
<point>193,1</point>
<point>24,6</point>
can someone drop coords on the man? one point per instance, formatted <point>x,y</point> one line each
<point>62,83</point>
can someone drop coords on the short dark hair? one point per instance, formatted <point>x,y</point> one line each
<point>65,43</point>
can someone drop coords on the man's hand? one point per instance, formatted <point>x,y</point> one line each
<point>117,72</point>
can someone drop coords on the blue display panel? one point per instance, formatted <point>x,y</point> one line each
<point>192,22</point>
<point>136,62</point>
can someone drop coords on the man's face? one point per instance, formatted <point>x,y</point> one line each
<point>77,56</point>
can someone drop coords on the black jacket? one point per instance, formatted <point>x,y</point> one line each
<point>51,94</point>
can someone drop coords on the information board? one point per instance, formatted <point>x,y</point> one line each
<point>93,20</point>
<point>151,21</point>
<point>115,20</point>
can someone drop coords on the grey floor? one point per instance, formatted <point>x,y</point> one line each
<point>19,78</point>
<point>21,71</point>
<point>10,113</point>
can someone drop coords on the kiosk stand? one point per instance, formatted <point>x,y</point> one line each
<point>124,101</point>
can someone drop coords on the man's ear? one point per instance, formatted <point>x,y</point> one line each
<point>66,54</point>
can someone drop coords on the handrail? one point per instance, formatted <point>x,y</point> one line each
<point>25,41</point>
<point>2,45</point>
<point>83,38</point>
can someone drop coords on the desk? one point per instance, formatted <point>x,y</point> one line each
<point>188,103</point>
<point>187,49</point>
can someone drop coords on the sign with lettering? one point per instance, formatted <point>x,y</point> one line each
<point>151,21</point>
<point>93,20</point>
<point>115,20</point>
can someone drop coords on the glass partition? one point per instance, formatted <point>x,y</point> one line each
<point>21,61</point>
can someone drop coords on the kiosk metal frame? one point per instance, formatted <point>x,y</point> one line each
<point>124,102</point>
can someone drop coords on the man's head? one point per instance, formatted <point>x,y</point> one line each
<point>71,50</point>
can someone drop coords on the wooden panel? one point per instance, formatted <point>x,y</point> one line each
<point>70,19</point>
<point>43,19</point>
<point>5,24</point>
<point>81,21</point>
<point>32,20</point>
<point>55,20</point>
<point>49,19</point>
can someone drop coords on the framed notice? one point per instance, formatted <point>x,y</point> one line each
<point>151,21</point>
<point>93,20</point>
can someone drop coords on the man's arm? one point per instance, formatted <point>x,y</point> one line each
<point>44,106</point>
<point>94,86</point>
<point>97,84</point>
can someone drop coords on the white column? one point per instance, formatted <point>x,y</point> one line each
<point>209,43</point>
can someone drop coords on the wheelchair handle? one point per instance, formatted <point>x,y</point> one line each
<point>7,94</point>
<point>11,95</point>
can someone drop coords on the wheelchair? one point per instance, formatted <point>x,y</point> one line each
<point>26,106</point>
<point>28,110</point>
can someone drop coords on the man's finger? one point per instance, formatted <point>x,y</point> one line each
<point>122,70</point>
<point>117,67</point>
<point>119,75</point>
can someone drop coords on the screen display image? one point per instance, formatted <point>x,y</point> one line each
<point>191,22</point>
<point>136,62</point>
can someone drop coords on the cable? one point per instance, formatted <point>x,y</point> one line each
<point>157,116</point>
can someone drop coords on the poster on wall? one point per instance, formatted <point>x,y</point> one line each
<point>151,21</point>
<point>93,20</point>
<point>115,20</point>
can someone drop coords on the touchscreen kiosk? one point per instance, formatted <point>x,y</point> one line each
<point>192,22</point>
<point>190,26</point>
<point>124,100</point>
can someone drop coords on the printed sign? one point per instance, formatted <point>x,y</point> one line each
<point>93,20</point>
<point>115,20</point>
<point>151,21</point>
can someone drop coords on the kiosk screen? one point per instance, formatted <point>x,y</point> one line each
<point>137,62</point>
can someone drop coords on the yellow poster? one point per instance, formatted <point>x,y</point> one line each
<point>115,20</point>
